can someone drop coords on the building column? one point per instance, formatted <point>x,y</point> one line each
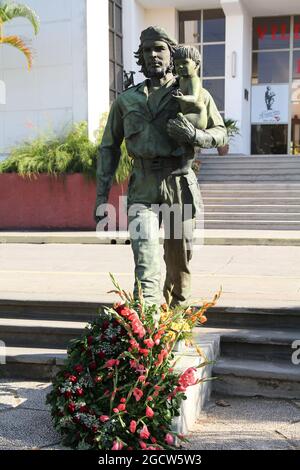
<point>97,62</point>
<point>133,24</point>
<point>238,72</point>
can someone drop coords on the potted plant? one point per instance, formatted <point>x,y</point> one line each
<point>232,130</point>
<point>49,182</point>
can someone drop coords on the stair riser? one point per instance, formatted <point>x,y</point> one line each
<point>250,201</point>
<point>234,385</point>
<point>44,372</point>
<point>249,351</point>
<point>216,225</point>
<point>219,318</point>
<point>41,339</point>
<point>263,209</point>
<point>241,216</point>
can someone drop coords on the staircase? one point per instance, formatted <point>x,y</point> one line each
<point>255,344</point>
<point>250,192</point>
<point>256,351</point>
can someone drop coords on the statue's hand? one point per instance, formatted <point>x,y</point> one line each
<point>181,130</point>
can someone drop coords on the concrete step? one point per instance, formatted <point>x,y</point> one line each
<point>258,318</point>
<point>252,216</point>
<point>49,310</point>
<point>255,208</point>
<point>274,171</point>
<point>281,201</point>
<point>39,333</point>
<point>242,377</point>
<point>248,186</point>
<point>249,165</point>
<point>232,177</point>
<point>274,345</point>
<point>258,194</point>
<point>246,225</point>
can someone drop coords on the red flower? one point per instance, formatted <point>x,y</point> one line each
<point>83,409</point>
<point>71,407</point>
<point>149,412</point>
<point>79,368</point>
<point>145,352</point>
<point>103,418</point>
<point>90,339</point>
<point>153,440</point>
<point>105,325</point>
<point>79,392</point>
<point>98,379</point>
<point>149,343</point>
<point>68,394</point>
<point>93,365</point>
<point>144,433</point>
<point>137,394</point>
<point>123,311</point>
<point>73,379</point>
<point>101,354</point>
<point>143,445</point>
<point>132,426</point>
<point>94,428</point>
<point>112,362</point>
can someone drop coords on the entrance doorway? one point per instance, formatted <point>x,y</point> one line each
<point>275,106</point>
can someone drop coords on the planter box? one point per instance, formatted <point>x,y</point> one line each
<point>53,202</point>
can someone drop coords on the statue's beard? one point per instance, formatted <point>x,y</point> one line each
<point>153,72</point>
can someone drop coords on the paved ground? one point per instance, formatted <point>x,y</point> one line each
<point>254,423</point>
<point>250,275</point>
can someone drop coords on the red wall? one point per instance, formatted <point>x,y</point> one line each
<point>49,202</point>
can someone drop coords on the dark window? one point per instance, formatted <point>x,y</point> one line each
<point>270,67</point>
<point>271,33</point>
<point>217,89</point>
<point>297,31</point>
<point>214,60</point>
<point>213,26</point>
<point>269,139</point>
<point>115,49</point>
<point>296,64</point>
<point>202,28</point>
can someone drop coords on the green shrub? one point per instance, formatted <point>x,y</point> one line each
<point>70,153</point>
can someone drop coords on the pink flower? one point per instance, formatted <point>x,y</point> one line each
<point>104,418</point>
<point>123,400</point>
<point>112,362</point>
<point>169,439</point>
<point>132,426</point>
<point>161,357</point>
<point>117,445</point>
<point>116,410</point>
<point>123,311</point>
<point>149,412</point>
<point>121,407</point>
<point>134,344</point>
<point>143,445</point>
<point>188,378</point>
<point>153,440</point>
<point>137,394</point>
<point>144,433</point>
<point>142,378</point>
<point>149,343</point>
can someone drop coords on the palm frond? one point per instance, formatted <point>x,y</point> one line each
<point>9,11</point>
<point>17,42</point>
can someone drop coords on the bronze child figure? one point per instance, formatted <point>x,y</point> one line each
<point>187,62</point>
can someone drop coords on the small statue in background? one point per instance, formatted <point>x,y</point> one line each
<point>128,79</point>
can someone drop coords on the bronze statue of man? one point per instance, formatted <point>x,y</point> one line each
<point>161,142</point>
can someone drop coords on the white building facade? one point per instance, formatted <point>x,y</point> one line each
<point>250,53</point>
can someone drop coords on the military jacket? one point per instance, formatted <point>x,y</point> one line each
<point>141,119</point>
